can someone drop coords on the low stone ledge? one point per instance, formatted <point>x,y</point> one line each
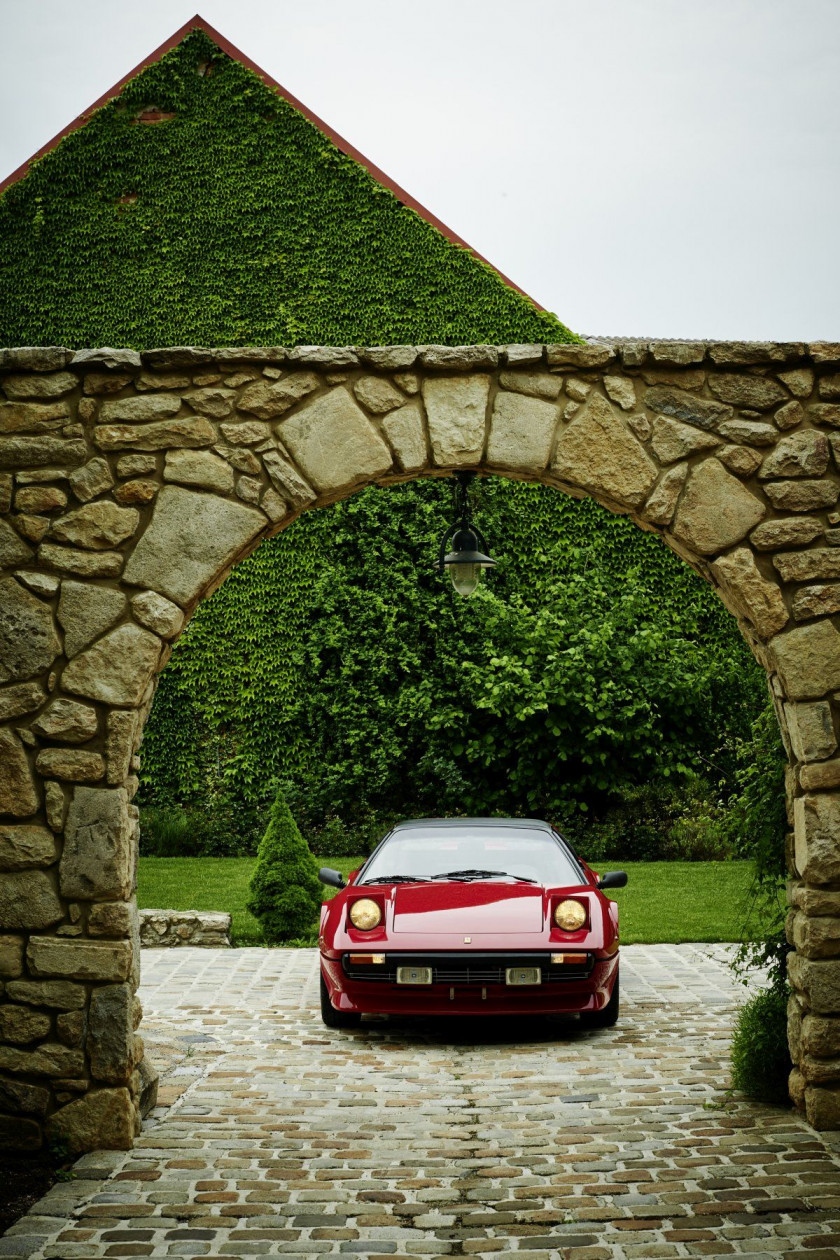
<point>171,929</point>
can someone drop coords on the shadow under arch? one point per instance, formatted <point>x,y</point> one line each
<point>182,461</point>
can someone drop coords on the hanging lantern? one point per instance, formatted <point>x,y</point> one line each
<point>468,555</point>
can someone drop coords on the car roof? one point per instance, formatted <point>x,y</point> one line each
<point>531,824</point>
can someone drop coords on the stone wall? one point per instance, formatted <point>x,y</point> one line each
<point>131,483</point>
<point>173,929</point>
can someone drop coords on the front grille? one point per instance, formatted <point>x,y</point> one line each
<point>468,968</point>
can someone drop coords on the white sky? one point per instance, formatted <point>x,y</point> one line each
<point>649,167</point>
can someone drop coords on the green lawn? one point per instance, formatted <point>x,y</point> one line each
<point>663,901</point>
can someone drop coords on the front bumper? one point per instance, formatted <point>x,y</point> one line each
<point>470,983</point>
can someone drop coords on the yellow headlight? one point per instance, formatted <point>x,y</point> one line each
<point>365,914</point>
<point>570,915</point>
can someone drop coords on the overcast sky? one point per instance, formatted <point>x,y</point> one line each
<point>650,167</point>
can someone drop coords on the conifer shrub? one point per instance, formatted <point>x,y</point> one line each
<point>761,1060</point>
<point>285,889</point>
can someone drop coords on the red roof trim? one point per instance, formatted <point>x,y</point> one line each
<point>198,23</point>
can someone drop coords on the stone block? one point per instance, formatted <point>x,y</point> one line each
<point>106,357</point>
<point>44,385</point>
<point>29,417</point>
<point>811,730</point>
<point>139,490</point>
<point>817,937</point>
<point>17,1096</point>
<point>758,393</point>
<point>671,440</point>
<point>269,399</point>
<point>803,454</point>
<point>97,526</point>
<point>789,416</point>
<point>40,499</point>
<point>191,541</point>
<point>97,383</point>
<point>377,395</point>
<point>119,667</point>
<point>521,432</point>
<point>20,1025</point>
<point>199,468</point>
<point>808,660</point>
<point>661,505</point>
<point>749,431</point>
<point>790,532</point>
<point>25,847</point>
<point>670,401</point>
<point>71,1028</point>
<point>752,595</point>
<point>821,1036</point>
<point>61,995</point>
<point>389,358</point>
<point>146,407</point>
<point>48,1059</point>
<point>817,837</point>
<point>715,510</point>
<point>191,431</point>
<point>820,775</point>
<point>78,959</point>
<point>288,480</point>
<point>22,698</point>
<point>11,956</point>
<point>97,860</point>
<point>84,564</point>
<point>588,355</point>
<point>538,384</point>
<point>621,390</point>
<point>28,900</point>
<point>110,1039</point>
<point>804,566</point>
<point>822,1107</point>
<point>816,601</point>
<point>93,479</point>
<point>37,452</point>
<point>67,720</point>
<point>75,765</point>
<point>211,401</point>
<point>136,465</point>
<point>28,640</point>
<point>802,496</point>
<point>819,980</point>
<point>85,612</point>
<point>456,410</point>
<point>334,443</point>
<point>274,507</point>
<point>598,452</point>
<point>246,432</point>
<point>55,803</point>
<point>112,918</point>
<point>120,746</point>
<point>18,796</point>
<point>103,1120</point>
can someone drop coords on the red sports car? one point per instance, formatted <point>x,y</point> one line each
<point>470,916</point>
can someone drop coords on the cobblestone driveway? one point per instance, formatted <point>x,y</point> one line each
<point>277,1137</point>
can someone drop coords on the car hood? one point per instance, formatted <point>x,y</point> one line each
<point>453,908</point>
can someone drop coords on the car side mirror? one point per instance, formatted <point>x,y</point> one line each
<point>613,879</point>
<point>328,876</point>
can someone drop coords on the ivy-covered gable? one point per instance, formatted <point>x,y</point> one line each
<point>200,207</point>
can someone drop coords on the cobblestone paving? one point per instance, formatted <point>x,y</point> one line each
<point>277,1137</point>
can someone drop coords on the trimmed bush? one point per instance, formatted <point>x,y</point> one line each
<point>285,889</point>
<point>760,1057</point>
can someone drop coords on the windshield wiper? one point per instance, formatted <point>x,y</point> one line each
<point>397,879</point>
<point>467,875</point>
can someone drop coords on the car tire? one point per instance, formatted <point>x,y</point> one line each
<point>606,1017</point>
<point>333,1018</point>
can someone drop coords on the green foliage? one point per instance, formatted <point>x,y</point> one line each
<point>235,222</point>
<point>757,826</point>
<point>337,661</point>
<point>761,1060</point>
<point>285,889</point>
<point>658,820</point>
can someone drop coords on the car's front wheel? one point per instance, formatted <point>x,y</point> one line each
<point>606,1017</point>
<point>333,1018</point>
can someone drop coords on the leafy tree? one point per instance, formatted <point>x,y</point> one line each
<point>285,890</point>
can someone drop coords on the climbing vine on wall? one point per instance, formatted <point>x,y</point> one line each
<point>333,659</point>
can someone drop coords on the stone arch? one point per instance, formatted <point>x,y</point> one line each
<point>130,484</point>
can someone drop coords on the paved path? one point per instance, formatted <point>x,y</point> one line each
<point>277,1137</point>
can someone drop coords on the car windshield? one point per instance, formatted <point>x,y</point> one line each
<point>467,852</point>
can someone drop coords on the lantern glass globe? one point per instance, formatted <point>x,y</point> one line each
<point>465,578</point>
